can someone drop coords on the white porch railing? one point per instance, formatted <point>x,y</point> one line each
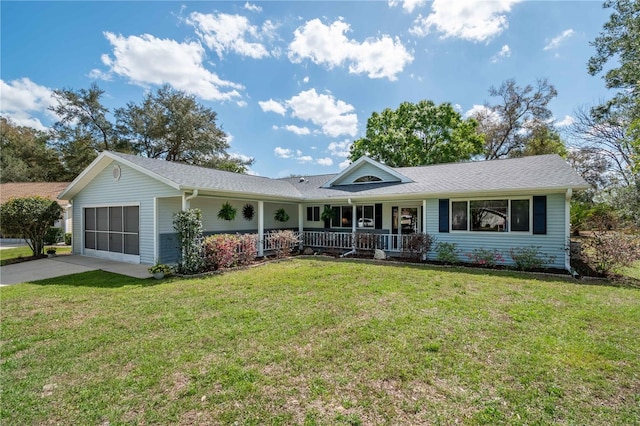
<point>362,240</point>
<point>271,242</point>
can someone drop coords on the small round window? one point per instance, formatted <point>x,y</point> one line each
<point>116,173</point>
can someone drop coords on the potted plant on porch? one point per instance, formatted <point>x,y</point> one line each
<point>51,252</point>
<point>159,270</point>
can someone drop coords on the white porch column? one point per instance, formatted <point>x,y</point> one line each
<point>354,219</point>
<point>185,202</point>
<point>300,224</point>
<point>424,216</point>
<point>260,228</point>
<point>567,229</point>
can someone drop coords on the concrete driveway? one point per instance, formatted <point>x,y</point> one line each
<point>66,265</point>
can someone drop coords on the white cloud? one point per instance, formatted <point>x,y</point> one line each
<point>229,33</point>
<point>272,106</point>
<point>149,60</point>
<point>240,157</point>
<point>283,152</point>
<point>505,52</point>
<point>304,159</point>
<point>566,121</point>
<point>556,41</point>
<point>468,20</point>
<point>408,5</point>
<point>340,149</point>
<point>483,114</point>
<point>252,7</point>
<point>306,79</point>
<point>327,45</point>
<point>325,161</point>
<point>344,164</point>
<point>22,99</point>
<point>297,130</point>
<point>335,117</point>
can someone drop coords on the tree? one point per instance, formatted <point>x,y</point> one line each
<point>620,40</point>
<point>418,134</point>
<point>29,218</point>
<point>170,124</point>
<point>81,110</point>
<point>25,155</point>
<point>513,123</point>
<point>616,123</point>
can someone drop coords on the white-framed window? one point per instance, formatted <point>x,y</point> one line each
<point>313,214</point>
<point>491,215</point>
<point>342,217</point>
<point>366,216</point>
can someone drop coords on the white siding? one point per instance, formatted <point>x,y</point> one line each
<point>210,222</point>
<point>167,208</point>
<point>133,188</point>
<point>552,243</point>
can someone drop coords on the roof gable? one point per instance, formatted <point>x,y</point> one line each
<point>366,171</point>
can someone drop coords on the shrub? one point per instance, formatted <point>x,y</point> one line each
<point>54,235</point>
<point>67,238</point>
<point>365,241</point>
<point>223,251</point>
<point>188,225</point>
<point>447,252</point>
<point>283,241</point>
<point>527,258</point>
<point>606,251</point>
<point>485,257</point>
<point>418,245</point>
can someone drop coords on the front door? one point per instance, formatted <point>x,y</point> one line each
<point>404,221</point>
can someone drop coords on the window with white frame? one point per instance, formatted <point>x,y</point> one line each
<point>313,214</point>
<point>366,216</point>
<point>342,217</point>
<point>491,215</point>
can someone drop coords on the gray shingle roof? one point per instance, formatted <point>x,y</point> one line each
<point>203,178</point>
<point>544,172</point>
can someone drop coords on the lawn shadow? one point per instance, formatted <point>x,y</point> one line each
<point>98,279</point>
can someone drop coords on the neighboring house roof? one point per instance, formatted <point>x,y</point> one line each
<point>48,190</point>
<point>527,174</point>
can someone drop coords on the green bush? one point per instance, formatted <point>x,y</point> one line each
<point>528,258</point>
<point>67,238</point>
<point>54,235</point>
<point>447,252</point>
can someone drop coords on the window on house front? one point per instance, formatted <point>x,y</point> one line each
<point>459,216</point>
<point>520,215</point>
<point>365,216</point>
<point>313,214</point>
<point>342,217</point>
<point>491,215</point>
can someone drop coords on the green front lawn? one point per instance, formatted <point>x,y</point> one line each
<point>9,255</point>
<point>310,341</point>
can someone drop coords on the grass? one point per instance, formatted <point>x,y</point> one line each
<point>9,255</point>
<point>313,342</point>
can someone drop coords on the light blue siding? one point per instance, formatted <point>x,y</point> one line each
<point>133,188</point>
<point>551,244</point>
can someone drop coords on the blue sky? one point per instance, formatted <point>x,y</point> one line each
<point>294,83</point>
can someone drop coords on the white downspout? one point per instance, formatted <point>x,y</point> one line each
<point>187,198</point>
<point>567,229</point>
<point>300,226</point>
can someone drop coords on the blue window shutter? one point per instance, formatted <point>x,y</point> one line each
<point>378,216</point>
<point>443,216</point>
<point>540,214</point>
